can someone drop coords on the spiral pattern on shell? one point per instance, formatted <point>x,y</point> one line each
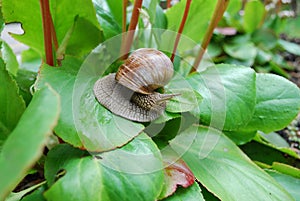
<point>145,70</point>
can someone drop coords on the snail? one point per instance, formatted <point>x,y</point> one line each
<point>130,92</point>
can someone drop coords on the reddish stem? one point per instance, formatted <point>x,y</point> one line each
<point>185,14</point>
<point>124,20</point>
<point>168,3</point>
<point>46,17</point>
<point>125,2</point>
<point>131,29</point>
<point>217,16</point>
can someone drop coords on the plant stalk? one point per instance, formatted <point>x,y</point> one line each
<point>168,3</point>
<point>217,16</point>
<point>46,17</point>
<point>124,13</point>
<point>124,20</point>
<point>131,29</point>
<point>183,20</point>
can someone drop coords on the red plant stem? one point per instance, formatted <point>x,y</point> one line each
<point>46,17</point>
<point>125,2</point>
<point>217,15</point>
<point>131,29</point>
<point>124,20</point>
<point>185,14</point>
<point>168,3</point>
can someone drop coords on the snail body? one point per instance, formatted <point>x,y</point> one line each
<point>130,92</point>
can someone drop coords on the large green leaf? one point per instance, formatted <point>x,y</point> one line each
<point>192,193</point>
<point>133,172</point>
<point>11,103</point>
<point>198,18</point>
<point>277,103</point>
<point>62,80</point>
<point>83,121</point>
<point>25,144</point>
<point>228,93</point>
<point>291,184</point>
<point>254,13</point>
<point>29,14</point>
<point>223,168</point>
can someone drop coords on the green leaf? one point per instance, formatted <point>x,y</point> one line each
<point>192,193</point>
<point>291,184</point>
<point>196,21</point>
<point>157,16</point>
<point>115,8</point>
<point>12,105</point>
<point>254,13</point>
<point>108,23</point>
<point>9,58</point>
<point>228,93</point>
<point>19,195</point>
<point>223,168</point>
<point>82,42</point>
<point>266,39</point>
<point>133,172</point>
<point>292,24</point>
<point>31,60</point>
<point>240,137</point>
<point>286,169</point>
<point>268,145</point>
<point>234,7</point>
<point>62,80</point>
<point>25,80</point>
<point>187,98</point>
<point>290,47</point>
<point>258,152</point>
<point>275,139</point>
<point>37,195</point>
<point>25,144</point>
<point>1,21</point>
<point>277,103</point>
<point>263,57</point>
<point>30,16</point>
<point>83,121</point>
<point>243,51</point>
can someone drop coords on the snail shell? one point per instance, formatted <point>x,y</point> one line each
<point>145,70</point>
<point>130,92</point>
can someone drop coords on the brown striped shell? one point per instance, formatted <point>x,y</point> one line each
<point>145,70</point>
<point>130,92</point>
